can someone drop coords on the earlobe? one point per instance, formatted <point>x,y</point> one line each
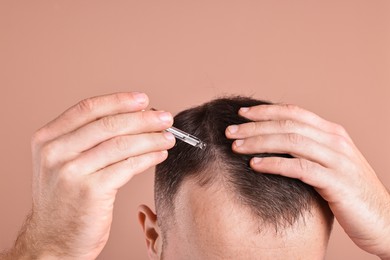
<point>148,220</point>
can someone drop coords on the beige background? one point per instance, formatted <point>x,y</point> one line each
<point>332,57</point>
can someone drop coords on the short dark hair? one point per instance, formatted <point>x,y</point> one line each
<point>276,200</point>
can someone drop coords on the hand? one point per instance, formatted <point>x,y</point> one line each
<point>80,161</point>
<point>325,158</point>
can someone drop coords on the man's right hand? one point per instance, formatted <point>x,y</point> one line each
<point>80,160</point>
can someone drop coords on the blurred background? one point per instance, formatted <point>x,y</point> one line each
<point>331,57</point>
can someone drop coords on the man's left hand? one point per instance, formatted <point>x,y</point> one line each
<point>324,157</point>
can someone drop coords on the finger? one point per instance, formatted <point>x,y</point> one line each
<point>117,175</point>
<point>291,112</point>
<point>293,144</point>
<point>333,141</point>
<point>88,136</point>
<point>120,148</point>
<point>91,109</point>
<point>275,127</point>
<point>297,168</point>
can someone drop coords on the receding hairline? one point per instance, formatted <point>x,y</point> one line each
<point>314,213</point>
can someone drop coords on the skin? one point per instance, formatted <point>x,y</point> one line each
<point>219,228</point>
<point>327,159</point>
<point>80,161</point>
<point>84,156</point>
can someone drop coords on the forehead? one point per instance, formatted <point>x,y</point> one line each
<point>209,212</point>
<point>210,220</point>
<point>210,223</point>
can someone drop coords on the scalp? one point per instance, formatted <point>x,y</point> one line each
<point>275,200</point>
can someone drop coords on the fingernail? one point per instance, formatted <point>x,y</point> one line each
<point>256,160</point>
<point>140,97</point>
<point>244,109</point>
<point>239,142</point>
<point>165,116</point>
<point>233,129</point>
<point>169,136</point>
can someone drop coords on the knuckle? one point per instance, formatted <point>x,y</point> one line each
<point>133,162</point>
<point>279,163</point>
<point>340,142</point>
<point>340,130</point>
<point>38,137</point>
<point>294,139</point>
<point>253,126</point>
<point>69,176</point>
<point>49,153</point>
<point>287,124</point>
<point>109,123</point>
<point>86,105</point>
<point>121,143</point>
<point>303,165</point>
<point>292,108</point>
<point>70,169</point>
<point>343,145</point>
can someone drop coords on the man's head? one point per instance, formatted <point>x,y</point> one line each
<point>211,205</point>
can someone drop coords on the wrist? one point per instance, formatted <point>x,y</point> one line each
<point>27,245</point>
<point>24,250</point>
<point>16,254</point>
<point>33,243</point>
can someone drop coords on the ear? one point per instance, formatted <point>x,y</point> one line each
<point>148,220</point>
